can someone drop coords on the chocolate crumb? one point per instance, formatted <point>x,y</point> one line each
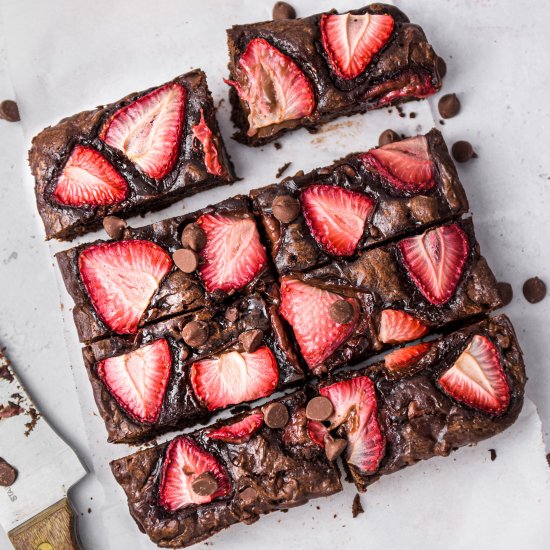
<point>114,226</point>
<point>282,169</point>
<point>9,410</point>
<point>282,10</point>
<point>8,474</point>
<point>5,373</point>
<point>548,459</point>
<point>232,314</point>
<point>89,510</point>
<point>534,290</point>
<point>9,111</point>
<point>277,145</point>
<point>388,136</point>
<point>412,115</point>
<point>449,106</point>
<point>357,507</point>
<point>493,454</point>
<point>30,425</point>
<point>506,292</point>
<point>463,151</point>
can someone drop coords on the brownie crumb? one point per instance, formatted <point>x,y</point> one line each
<point>30,425</point>
<point>282,169</point>
<point>534,290</point>
<point>506,292</point>
<point>277,145</point>
<point>9,410</point>
<point>89,510</point>
<point>493,454</point>
<point>5,373</point>
<point>357,507</point>
<point>548,459</point>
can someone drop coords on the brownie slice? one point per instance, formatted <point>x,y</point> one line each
<point>178,353</point>
<point>346,311</point>
<point>356,203</point>
<point>428,399</point>
<point>105,161</point>
<point>313,74</point>
<point>141,264</point>
<point>257,470</point>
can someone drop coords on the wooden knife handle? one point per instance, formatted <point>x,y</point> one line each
<point>52,529</point>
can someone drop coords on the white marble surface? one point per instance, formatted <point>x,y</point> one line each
<point>498,65</point>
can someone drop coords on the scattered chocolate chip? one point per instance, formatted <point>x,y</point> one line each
<point>285,208</point>
<point>341,312</point>
<point>282,10</point>
<point>231,314</point>
<point>334,447</point>
<point>186,260</point>
<point>195,333</point>
<point>357,507</point>
<point>204,485</point>
<point>463,151</point>
<point>278,146</point>
<point>319,408</point>
<point>449,106</point>
<point>193,237</point>
<point>251,340</point>
<point>441,66</point>
<point>9,111</point>
<point>114,226</point>
<point>506,292</point>
<point>493,454</point>
<point>282,169</point>
<point>275,415</point>
<point>534,290</point>
<point>248,495</point>
<point>412,115</point>
<point>8,474</point>
<point>388,136</point>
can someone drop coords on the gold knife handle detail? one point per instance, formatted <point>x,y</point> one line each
<point>52,529</point>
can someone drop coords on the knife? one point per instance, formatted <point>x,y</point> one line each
<point>34,510</point>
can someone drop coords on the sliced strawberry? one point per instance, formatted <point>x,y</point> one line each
<point>405,164</point>
<point>336,217</point>
<point>351,41</point>
<point>121,278</point>
<point>209,142</point>
<point>355,408</point>
<point>183,463</point>
<point>416,84</point>
<point>148,131</point>
<point>233,377</point>
<point>307,308</point>
<point>233,254</point>
<point>88,179</point>
<point>138,379</point>
<point>272,85</point>
<point>397,326</point>
<point>477,378</point>
<point>240,431</point>
<point>435,261</point>
<point>406,357</point>
<point>317,431</point>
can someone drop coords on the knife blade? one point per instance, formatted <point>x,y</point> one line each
<point>34,510</point>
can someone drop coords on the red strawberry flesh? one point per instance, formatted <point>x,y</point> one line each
<point>88,179</point>
<point>138,379</point>
<point>409,85</point>
<point>209,142</point>
<point>240,431</point>
<point>398,326</point>
<point>336,217</point>
<point>121,278</point>
<point>402,359</point>
<point>317,431</point>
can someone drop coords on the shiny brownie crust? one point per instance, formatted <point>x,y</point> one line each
<point>293,247</point>
<point>283,467</point>
<point>51,148</point>
<point>404,60</point>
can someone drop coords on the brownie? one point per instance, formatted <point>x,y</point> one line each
<point>393,211</point>
<point>73,211</point>
<point>304,83</point>
<point>275,469</point>
<point>224,329</point>
<point>177,292</point>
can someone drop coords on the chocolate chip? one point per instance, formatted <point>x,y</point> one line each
<point>193,237</point>
<point>388,136</point>
<point>248,495</point>
<point>319,408</point>
<point>449,106</point>
<point>341,312</point>
<point>285,208</point>
<point>8,474</point>
<point>251,340</point>
<point>462,151</point>
<point>232,314</point>
<point>204,485</point>
<point>441,66</point>
<point>9,111</point>
<point>195,333</point>
<point>506,292</point>
<point>114,226</point>
<point>534,290</point>
<point>334,447</point>
<point>186,260</point>
<point>275,415</point>
<point>356,507</point>
<point>282,10</point>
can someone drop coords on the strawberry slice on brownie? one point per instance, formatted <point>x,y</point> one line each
<point>398,326</point>
<point>402,359</point>
<point>210,146</point>
<point>240,431</point>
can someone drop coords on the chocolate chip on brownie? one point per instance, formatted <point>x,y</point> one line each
<point>251,340</point>
<point>506,292</point>
<point>275,415</point>
<point>285,208</point>
<point>319,408</point>
<point>341,312</point>
<point>204,485</point>
<point>114,226</point>
<point>195,333</point>
<point>193,237</point>
<point>186,260</point>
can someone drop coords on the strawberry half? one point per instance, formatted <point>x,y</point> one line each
<point>240,431</point>
<point>138,379</point>
<point>355,408</point>
<point>209,142</point>
<point>183,463</point>
<point>88,179</point>
<point>405,164</point>
<point>307,308</point>
<point>274,88</point>
<point>336,217</point>
<point>233,378</point>
<point>435,261</point>
<point>397,326</point>
<point>351,41</point>
<point>477,378</point>
<point>233,254</point>
<point>121,278</point>
<point>402,359</point>
<point>317,431</point>
<point>148,130</point>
